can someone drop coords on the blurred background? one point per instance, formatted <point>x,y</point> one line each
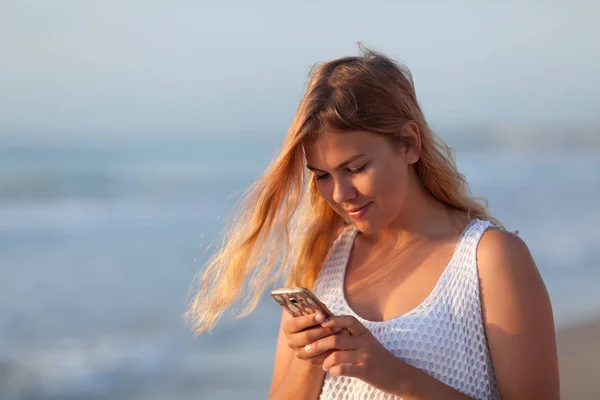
<point>129,128</point>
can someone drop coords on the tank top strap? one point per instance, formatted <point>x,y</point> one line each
<point>460,284</point>
<point>327,286</point>
<point>465,254</point>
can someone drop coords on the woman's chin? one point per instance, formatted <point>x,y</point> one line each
<point>366,227</point>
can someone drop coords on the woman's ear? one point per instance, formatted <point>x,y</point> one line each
<point>413,151</point>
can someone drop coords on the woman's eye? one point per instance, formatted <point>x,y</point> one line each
<point>358,170</point>
<point>319,177</point>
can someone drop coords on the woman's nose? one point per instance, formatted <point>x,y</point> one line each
<point>343,192</point>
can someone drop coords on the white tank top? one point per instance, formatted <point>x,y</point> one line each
<point>443,336</point>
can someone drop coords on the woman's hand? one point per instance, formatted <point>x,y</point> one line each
<point>304,330</point>
<point>359,355</point>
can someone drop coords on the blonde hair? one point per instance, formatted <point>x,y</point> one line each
<point>369,93</point>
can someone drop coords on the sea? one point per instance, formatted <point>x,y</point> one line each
<point>101,238</point>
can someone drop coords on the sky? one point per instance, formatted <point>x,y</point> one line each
<point>208,67</point>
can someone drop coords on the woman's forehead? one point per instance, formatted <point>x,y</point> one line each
<point>331,147</point>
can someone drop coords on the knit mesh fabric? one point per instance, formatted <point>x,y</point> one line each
<point>443,336</point>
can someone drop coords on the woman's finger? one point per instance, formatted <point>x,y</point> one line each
<point>348,322</point>
<point>301,339</point>
<point>298,324</point>
<point>333,342</point>
<point>342,357</point>
<point>317,360</point>
<point>313,357</point>
<point>352,370</point>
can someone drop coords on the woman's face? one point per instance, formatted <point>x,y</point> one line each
<point>362,176</point>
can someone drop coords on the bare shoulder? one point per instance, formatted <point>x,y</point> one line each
<point>502,249</point>
<point>509,278</point>
<point>517,316</point>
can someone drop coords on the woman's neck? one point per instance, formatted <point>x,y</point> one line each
<point>422,217</point>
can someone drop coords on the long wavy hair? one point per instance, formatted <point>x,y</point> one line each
<point>284,228</point>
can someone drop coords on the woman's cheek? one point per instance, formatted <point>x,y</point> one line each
<point>325,190</point>
<point>369,184</point>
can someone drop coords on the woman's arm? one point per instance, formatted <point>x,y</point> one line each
<point>518,319</point>
<point>293,378</point>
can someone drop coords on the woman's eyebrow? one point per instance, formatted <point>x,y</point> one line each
<point>342,165</point>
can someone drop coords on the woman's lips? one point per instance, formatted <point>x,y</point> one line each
<point>358,212</point>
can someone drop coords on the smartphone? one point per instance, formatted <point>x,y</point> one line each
<point>299,301</point>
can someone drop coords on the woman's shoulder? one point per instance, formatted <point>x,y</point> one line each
<point>499,248</point>
<point>517,313</point>
<point>501,253</point>
<point>509,277</point>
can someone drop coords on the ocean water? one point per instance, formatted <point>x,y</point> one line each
<point>100,240</point>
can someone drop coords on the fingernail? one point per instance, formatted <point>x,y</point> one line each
<point>308,347</point>
<point>319,317</point>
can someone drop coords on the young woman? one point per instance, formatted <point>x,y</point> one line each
<point>364,205</point>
